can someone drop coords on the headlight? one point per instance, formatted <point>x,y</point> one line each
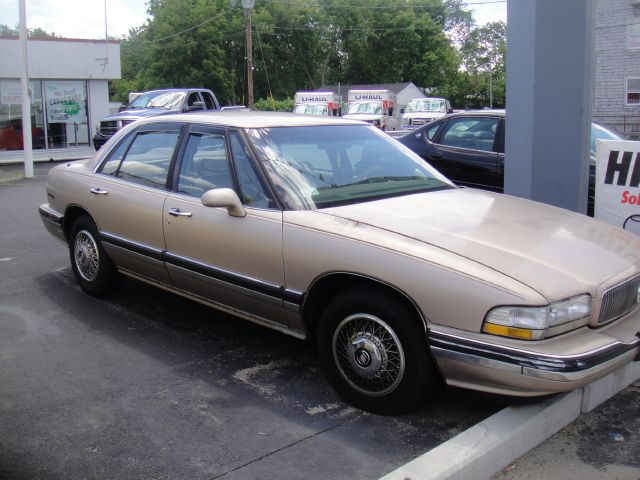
<point>535,323</point>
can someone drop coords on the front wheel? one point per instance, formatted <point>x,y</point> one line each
<point>92,267</point>
<point>374,352</point>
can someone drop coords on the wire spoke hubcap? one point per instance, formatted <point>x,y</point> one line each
<point>368,354</point>
<point>85,252</point>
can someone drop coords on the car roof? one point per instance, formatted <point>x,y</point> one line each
<point>484,112</point>
<point>251,119</point>
<point>173,90</point>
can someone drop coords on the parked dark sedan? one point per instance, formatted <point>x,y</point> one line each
<point>468,148</point>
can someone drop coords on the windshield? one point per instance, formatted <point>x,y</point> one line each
<point>324,166</point>
<point>602,133</point>
<point>312,109</point>
<point>168,100</point>
<point>373,108</point>
<point>426,105</point>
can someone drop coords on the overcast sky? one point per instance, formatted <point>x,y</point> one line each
<point>85,18</point>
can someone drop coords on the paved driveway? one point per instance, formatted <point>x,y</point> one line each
<point>150,385</point>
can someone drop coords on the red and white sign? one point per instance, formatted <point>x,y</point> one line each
<point>618,183</point>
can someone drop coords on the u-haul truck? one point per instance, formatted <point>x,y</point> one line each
<point>374,106</point>
<point>326,104</point>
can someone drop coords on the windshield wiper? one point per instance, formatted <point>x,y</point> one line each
<point>378,180</point>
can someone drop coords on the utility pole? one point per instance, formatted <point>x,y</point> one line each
<point>490,87</point>
<point>248,5</point>
<point>26,95</point>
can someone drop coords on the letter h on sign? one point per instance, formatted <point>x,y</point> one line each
<point>623,168</point>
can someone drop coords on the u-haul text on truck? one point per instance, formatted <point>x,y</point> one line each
<point>326,104</point>
<point>375,107</point>
<point>618,183</point>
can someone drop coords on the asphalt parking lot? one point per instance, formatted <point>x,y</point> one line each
<point>149,385</point>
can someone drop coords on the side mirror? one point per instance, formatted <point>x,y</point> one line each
<point>226,198</point>
<point>195,106</point>
<point>450,110</point>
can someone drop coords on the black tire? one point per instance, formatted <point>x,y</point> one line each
<point>92,267</point>
<point>374,351</point>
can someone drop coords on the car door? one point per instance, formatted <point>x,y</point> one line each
<point>126,196</point>
<point>234,262</point>
<point>465,151</point>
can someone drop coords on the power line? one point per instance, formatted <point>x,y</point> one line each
<point>191,28</point>
<point>373,7</point>
<point>194,42</point>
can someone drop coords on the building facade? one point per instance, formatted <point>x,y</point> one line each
<point>68,83</point>
<point>616,101</point>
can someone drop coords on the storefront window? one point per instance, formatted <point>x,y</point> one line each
<point>66,107</point>
<point>11,115</point>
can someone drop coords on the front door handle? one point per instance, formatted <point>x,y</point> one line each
<point>175,212</point>
<point>99,191</point>
<point>436,156</point>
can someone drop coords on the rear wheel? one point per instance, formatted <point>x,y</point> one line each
<point>92,267</point>
<point>374,352</point>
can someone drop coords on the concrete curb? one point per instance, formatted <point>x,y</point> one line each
<point>494,443</point>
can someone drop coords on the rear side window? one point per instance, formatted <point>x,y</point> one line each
<point>431,131</point>
<point>148,159</point>
<point>208,101</point>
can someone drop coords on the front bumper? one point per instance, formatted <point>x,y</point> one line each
<point>466,361</point>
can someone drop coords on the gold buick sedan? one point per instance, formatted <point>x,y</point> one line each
<point>329,230</point>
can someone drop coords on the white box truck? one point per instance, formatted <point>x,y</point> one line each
<point>326,104</point>
<point>374,106</point>
<point>421,111</point>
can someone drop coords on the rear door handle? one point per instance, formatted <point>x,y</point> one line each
<point>436,156</point>
<point>175,212</point>
<point>99,191</point>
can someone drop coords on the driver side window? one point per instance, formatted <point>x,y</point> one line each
<point>253,190</point>
<point>204,165</point>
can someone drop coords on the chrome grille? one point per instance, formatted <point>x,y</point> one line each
<point>619,300</point>
<point>126,122</point>
<point>109,127</point>
<point>422,121</point>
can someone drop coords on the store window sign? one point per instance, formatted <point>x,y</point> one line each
<point>618,183</point>
<point>66,102</point>
<point>11,92</point>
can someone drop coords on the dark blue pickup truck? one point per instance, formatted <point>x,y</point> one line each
<point>153,103</point>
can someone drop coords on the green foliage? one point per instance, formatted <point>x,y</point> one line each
<point>7,31</point>
<point>482,57</point>
<point>272,105</point>
<point>298,45</point>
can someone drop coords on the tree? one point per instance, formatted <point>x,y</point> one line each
<point>7,31</point>
<point>483,55</point>
<point>298,45</point>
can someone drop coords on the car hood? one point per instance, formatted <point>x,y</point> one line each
<point>138,113</point>
<point>556,252</point>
